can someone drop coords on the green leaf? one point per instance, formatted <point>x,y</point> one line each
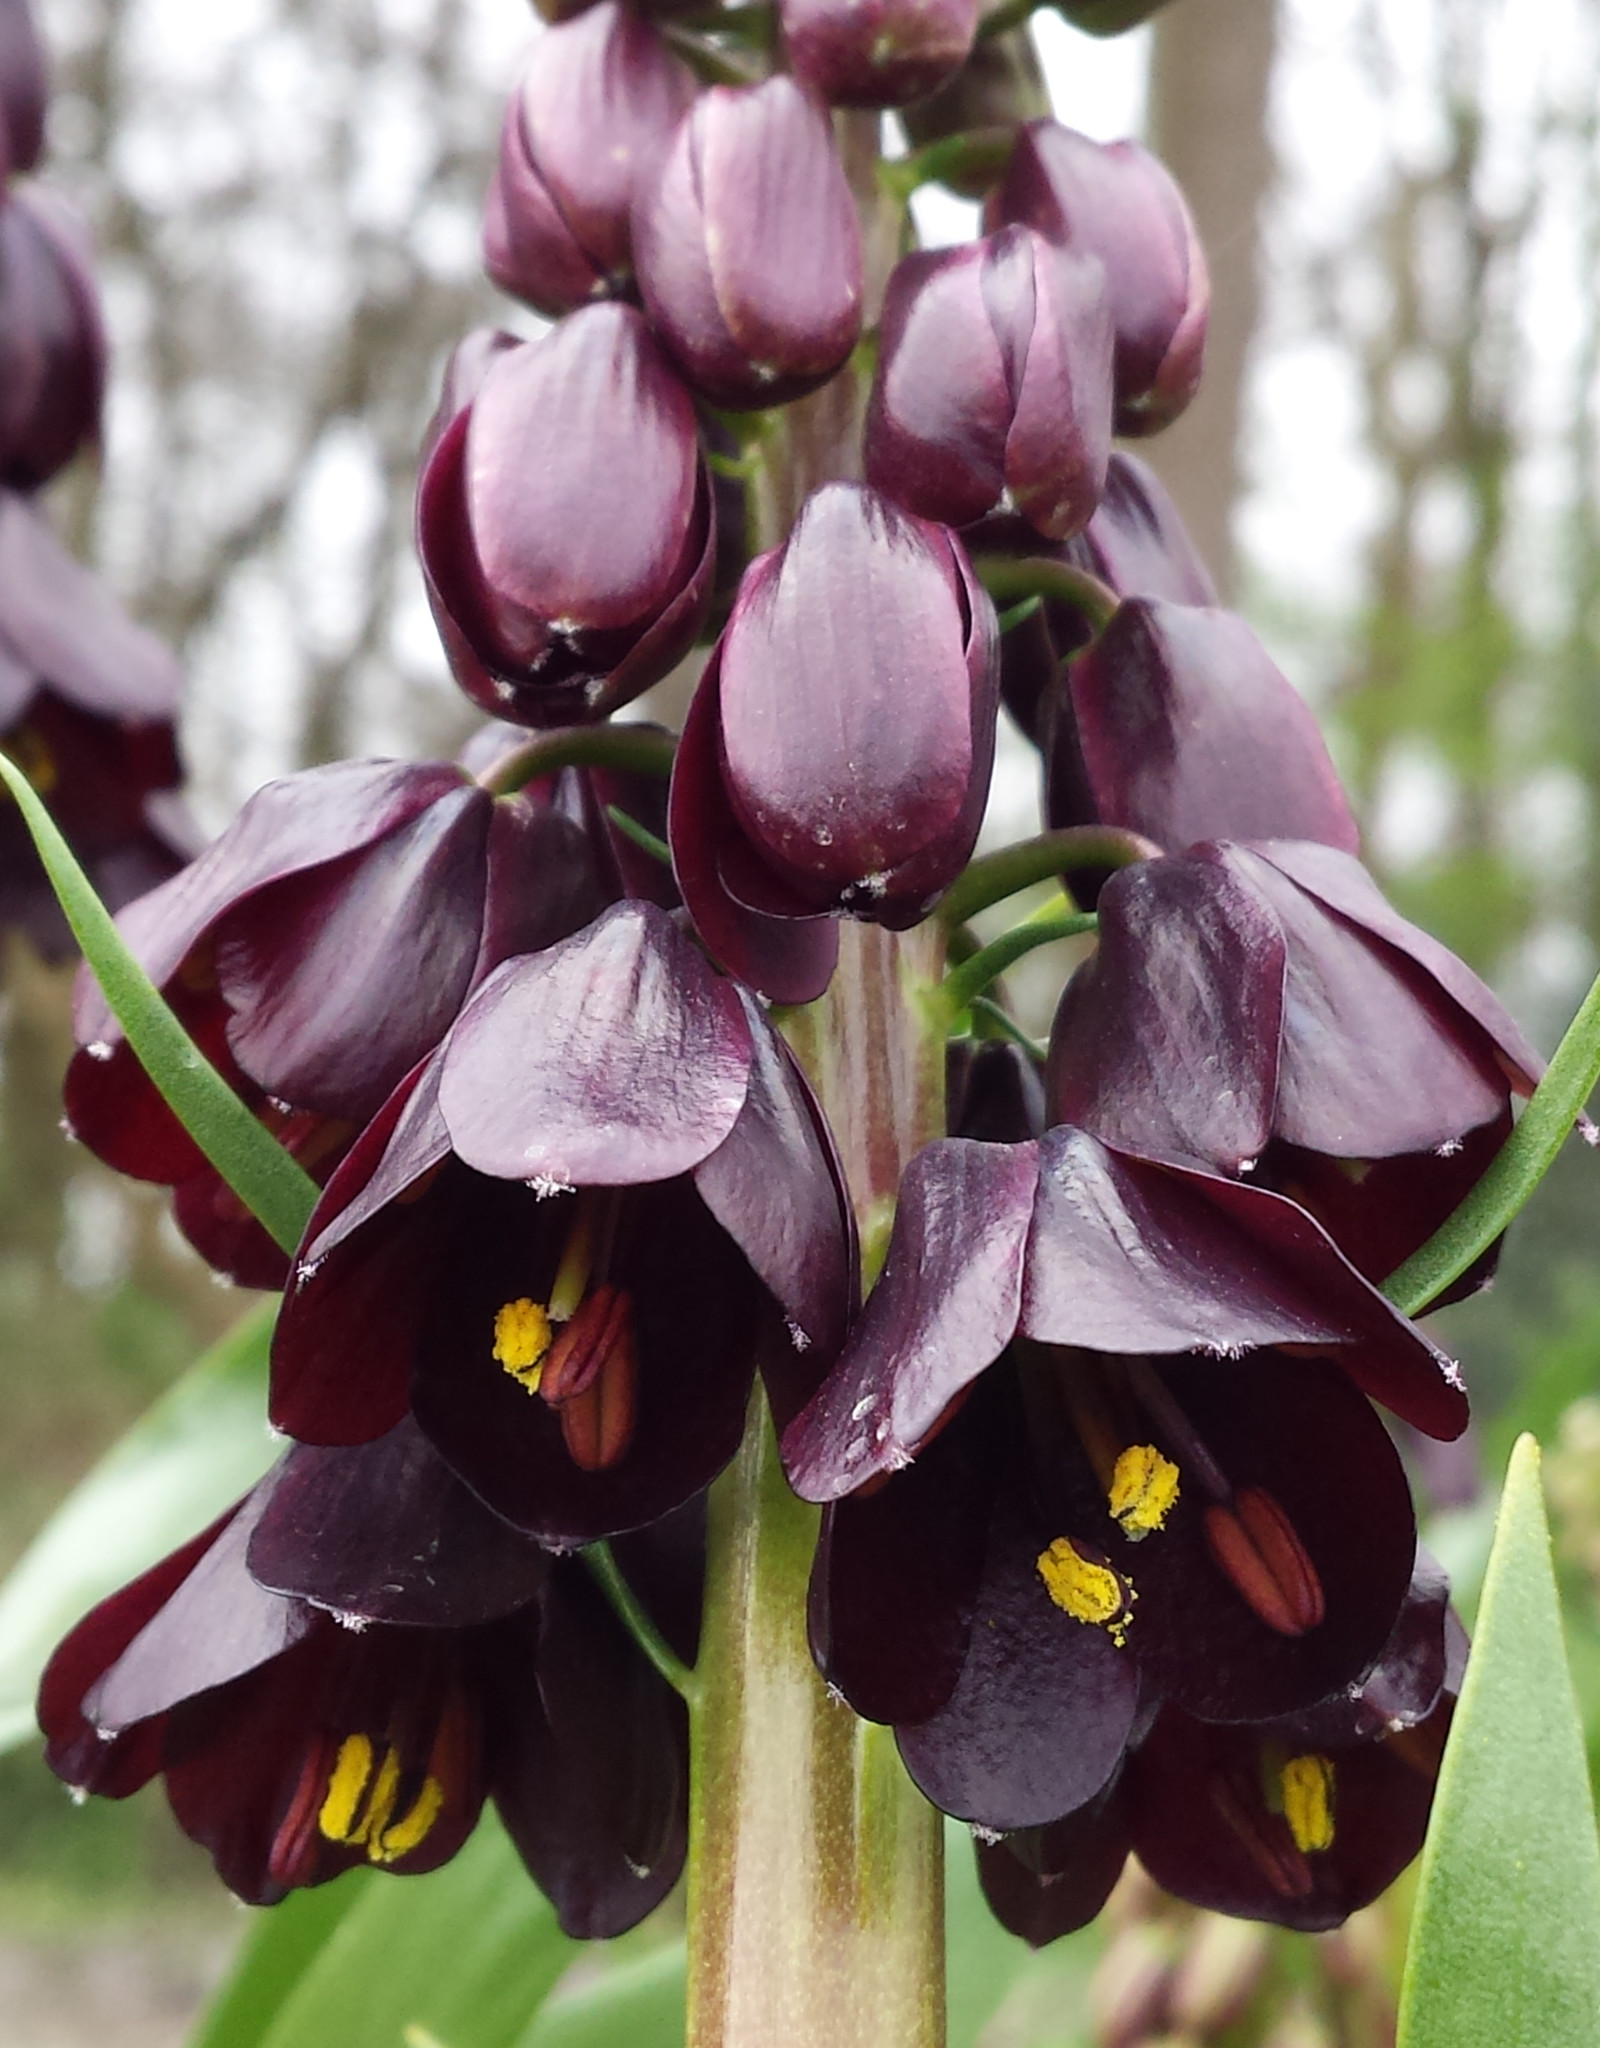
<point>636,2004</point>
<point>463,1957</point>
<point>201,1446</point>
<point>1505,1947</point>
<point>267,1179</point>
<point>280,1948</point>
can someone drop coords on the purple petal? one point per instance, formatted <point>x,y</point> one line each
<point>1042,1883</point>
<point>1060,436</point>
<point>617,1057</point>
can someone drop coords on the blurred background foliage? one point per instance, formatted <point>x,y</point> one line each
<point>1394,469</point>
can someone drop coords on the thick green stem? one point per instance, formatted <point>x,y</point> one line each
<point>974,975</point>
<point>816,1904</point>
<point>1010,577</point>
<point>633,749</point>
<point>1052,854</point>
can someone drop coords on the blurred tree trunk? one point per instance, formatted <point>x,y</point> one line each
<point>1210,74</point>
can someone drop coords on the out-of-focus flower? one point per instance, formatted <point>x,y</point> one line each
<point>748,250</point>
<point>564,520</point>
<point>883,53</point>
<point>1118,202</point>
<point>24,89</point>
<point>52,345</point>
<point>1106,17</point>
<point>999,86</point>
<point>317,950</point>
<point>1263,1009</point>
<point>994,382</point>
<point>474,1666</point>
<point>585,130</point>
<point>836,757</point>
<point>87,700</point>
<point>565,1244</point>
<point>1176,723</point>
<point>1031,1542</point>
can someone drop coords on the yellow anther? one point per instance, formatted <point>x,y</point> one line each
<point>407,1833</point>
<point>348,1782</point>
<point>1143,1487</point>
<point>380,1803</point>
<point>1087,1591</point>
<point>1306,1783</point>
<point>521,1340</point>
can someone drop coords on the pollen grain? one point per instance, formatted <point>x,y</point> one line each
<point>1144,1487</point>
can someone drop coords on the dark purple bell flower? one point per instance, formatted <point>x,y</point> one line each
<point>565,1242</point>
<point>564,521</point>
<point>1262,1009</point>
<point>836,757</point>
<point>1176,723</point>
<point>87,702</point>
<point>52,345</point>
<point>884,53</point>
<point>586,127</point>
<point>994,383</point>
<point>748,250</point>
<point>1116,201</point>
<point>1137,545</point>
<point>24,89</point>
<point>318,949</point>
<point>293,1748</point>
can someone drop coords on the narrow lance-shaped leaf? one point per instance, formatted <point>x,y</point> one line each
<point>271,1184</point>
<point>1505,1947</point>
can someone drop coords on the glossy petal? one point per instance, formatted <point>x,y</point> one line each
<point>884,53</point>
<point>1203,1828</point>
<point>1116,201</point>
<point>943,1310</point>
<point>1137,541</point>
<point>615,1058</point>
<point>1189,731</point>
<point>386,1532</point>
<point>52,345</point>
<point>1039,1719</point>
<point>993,1092</point>
<point>1405,1684</point>
<point>24,89</point>
<point>1166,1040</point>
<point>748,250</point>
<point>1044,1882</point>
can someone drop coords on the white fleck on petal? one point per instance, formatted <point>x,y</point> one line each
<point>797,1336</point>
<point>862,1409</point>
<point>97,1049</point>
<point>1448,1149</point>
<point>357,1624</point>
<point>988,1836</point>
<point>544,1185</point>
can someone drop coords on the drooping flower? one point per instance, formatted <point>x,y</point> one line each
<point>564,1243</point>
<point>564,520</point>
<point>836,757</point>
<point>87,701</point>
<point>472,1666</point>
<point>24,89</point>
<point>884,53</point>
<point>1262,1009</point>
<point>747,248</point>
<point>1121,204</point>
<point>994,381</point>
<point>1101,1437</point>
<point>587,125</point>
<point>52,344</point>
<point>317,950</point>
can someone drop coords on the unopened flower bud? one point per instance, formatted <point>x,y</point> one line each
<point>748,249</point>
<point>994,383</point>
<point>587,125</point>
<point>24,89</point>
<point>564,522</point>
<point>1107,17</point>
<point>837,756</point>
<point>1223,1965</point>
<point>880,54</point>
<point>52,346</point>
<point>1119,203</point>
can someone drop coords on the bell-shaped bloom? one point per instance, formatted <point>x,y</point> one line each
<point>884,53</point>
<point>52,345</point>
<point>994,383</point>
<point>473,1666</point>
<point>317,950</point>
<point>24,89</point>
<point>87,701</point>
<point>563,1245</point>
<point>836,757</point>
<point>747,247</point>
<point>587,125</point>
<point>1137,545</point>
<point>1300,1821</point>
<point>1119,203</point>
<point>1173,1486</point>
<point>1177,724</point>
<point>1261,1008</point>
<point>564,521</point>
